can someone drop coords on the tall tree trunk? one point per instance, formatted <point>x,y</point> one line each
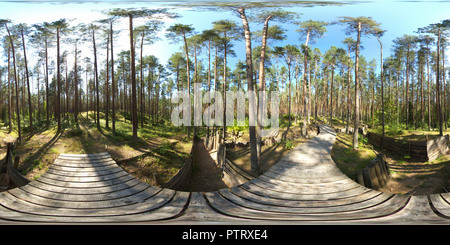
<point>107,82</point>
<point>38,98</point>
<point>67,90</point>
<point>438,93</point>
<point>58,79</point>
<point>113,85</point>
<point>30,109</point>
<point>87,94</point>
<point>444,97</point>
<point>76,84</point>
<point>209,90</point>
<point>97,104</point>
<point>262,84</point>
<point>133,81</point>
<point>429,90</point>
<point>289,96</point>
<point>9,92</point>
<point>142,80</point>
<point>249,70</point>
<point>382,85</point>
<point>356,126</point>
<point>407,88</point>
<point>224,129</point>
<point>188,74</point>
<point>422,106</point>
<point>348,91</point>
<point>316,92</point>
<point>46,85</point>
<point>331,95</point>
<point>305,81</point>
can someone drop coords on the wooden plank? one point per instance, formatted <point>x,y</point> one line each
<point>105,183</point>
<point>385,208</point>
<point>86,191</point>
<point>298,196</point>
<point>161,208</point>
<point>29,190</point>
<point>41,205</point>
<point>295,179</point>
<point>367,203</point>
<point>84,179</point>
<point>303,188</point>
<point>85,169</point>
<point>84,173</point>
<point>369,194</point>
<point>82,164</point>
<point>441,203</point>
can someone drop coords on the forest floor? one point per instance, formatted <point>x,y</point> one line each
<point>206,175</point>
<point>157,155</point>
<point>270,154</point>
<point>162,149</point>
<point>407,176</point>
<point>417,178</point>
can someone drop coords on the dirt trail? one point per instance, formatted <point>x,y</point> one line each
<point>206,175</point>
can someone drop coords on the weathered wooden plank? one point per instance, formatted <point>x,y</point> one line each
<point>97,184</point>
<point>86,191</point>
<point>417,211</point>
<point>85,169</point>
<point>386,208</point>
<point>303,188</point>
<point>37,204</point>
<point>369,194</point>
<point>441,204</point>
<point>298,196</point>
<point>84,173</point>
<point>161,209</point>
<point>83,179</point>
<point>364,204</point>
<point>83,164</point>
<point>29,190</point>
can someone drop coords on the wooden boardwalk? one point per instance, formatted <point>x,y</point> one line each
<point>304,187</point>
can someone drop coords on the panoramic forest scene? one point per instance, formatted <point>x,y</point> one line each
<point>286,111</point>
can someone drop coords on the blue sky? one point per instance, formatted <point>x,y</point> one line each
<point>397,17</point>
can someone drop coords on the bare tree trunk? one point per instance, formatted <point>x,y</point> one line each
<point>249,67</point>
<point>142,80</point>
<point>188,74</point>
<point>331,95</point>
<point>444,97</point>
<point>438,93</point>
<point>30,109</point>
<point>107,82</point>
<point>133,82</point>
<point>262,83</point>
<point>355,128</point>
<point>382,84</point>
<point>46,85</point>
<point>348,92</point>
<point>429,89</point>
<point>76,84</point>
<point>305,81</point>
<point>58,92</point>
<point>113,85</point>
<point>9,92</point>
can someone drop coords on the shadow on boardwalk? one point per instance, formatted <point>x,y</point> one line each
<point>205,175</point>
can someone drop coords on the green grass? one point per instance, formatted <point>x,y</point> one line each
<point>400,132</point>
<point>168,144</point>
<point>348,160</point>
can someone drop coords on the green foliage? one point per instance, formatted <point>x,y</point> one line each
<point>74,132</point>
<point>362,141</point>
<point>289,144</point>
<point>164,148</point>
